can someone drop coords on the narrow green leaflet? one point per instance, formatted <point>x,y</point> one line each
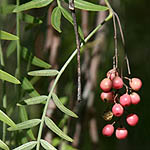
<point>25,125</point>
<point>32,4</point>
<point>49,72</point>
<point>62,107</point>
<point>68,16</point>
<point>24,117</point>
<point>27,146</point>
<point>46,145</point>
<point>51,125</point>
<point>84,5</point>
<point>3,145</point>
<point>27,86</point>
<point>34,60</point>
<point>30,19</point>
<point>56,18</point>
<point>11,48</point>
<point>4,118</point>
<point>7,77</point>
<point>33,100</point>
<point>7,36</point>
<point>7,9</point>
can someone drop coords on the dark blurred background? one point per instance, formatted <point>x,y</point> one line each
<point>96,59</point>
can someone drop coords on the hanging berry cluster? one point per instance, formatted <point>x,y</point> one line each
<point>113,93</point>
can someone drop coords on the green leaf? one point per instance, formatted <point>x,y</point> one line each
<point>33,100</point>
<point>11,48</point>
<point>32,4</point>
<point>56,18</point>
<point>3,145</point>
<point>30,19</point>
<point>50,72</point>
<point>4,118</point>
<point>7,77</point>
<point>84,5</point>
<point>62,107</point>
<point>7,9</point>
<point>25,125</point>
<point>24,117</point>
<point>27,146</point>
<point>7,36</point>
<point>68,16</point>
<point>46,145</point>
<point>27,86</point>
<point>50,124</point>
<point>34,60</point>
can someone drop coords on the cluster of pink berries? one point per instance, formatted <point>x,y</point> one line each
<point>111,87</point>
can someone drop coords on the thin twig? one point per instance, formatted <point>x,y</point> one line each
<point>123,42</point>
<point>72,9</point>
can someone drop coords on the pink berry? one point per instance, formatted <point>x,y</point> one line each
<point>135,84</point>
<point>117,83</point>
<point>107,96</point>
<point>132,119</point>
<point>111,74</point>
<point>121,133</point>
<point>135,98</point>
<point>106,85</point>
<point>108,130</point>
<point>125,100</point>
<point>117,110</point>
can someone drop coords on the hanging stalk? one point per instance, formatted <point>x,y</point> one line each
<point>4,98</point>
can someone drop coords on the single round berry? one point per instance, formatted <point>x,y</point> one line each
<point>117,110</point>
<point>132,119</point>
<point>125,100</point>
<point>135,98</point>
<point>107,96</point>
<point>121,133</point>
<point>111,74</point>
<point>106,85</point>
<point>108,130</point>
<point>117,83</point>
<point>135,84</point>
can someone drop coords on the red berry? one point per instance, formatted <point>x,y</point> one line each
<point>135,98</point>
<point>125,100</point>
<point>135,84</point>
<point>132,119</point>
<point>108,130</point>
<point>121,133</point>
<point>106,85</point>
<point>117,83</point>
<point>117,110</point>
<point>107,96</point>
<point>111,74</point>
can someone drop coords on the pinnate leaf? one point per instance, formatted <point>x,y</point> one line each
<point>51,125</point>
<point>47,145</point>
<point>62,107</point>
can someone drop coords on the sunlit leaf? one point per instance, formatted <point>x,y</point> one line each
<point>56,18</point>
<point>32,4</point>
<point>30,19</point>
<point>62,107</point>
<point>27,146</point>
<point>84,5</point>
<point>3,145</point>
<point>50,72</point>
<point>7,36</point>
<point>51,125</point>
<point>27,86</point>
<point>7,77</point>
<point>33,100</point>
<point>47,145</point>
<point>34,60</point>
<point>4,118</point>
<point>25,125</point>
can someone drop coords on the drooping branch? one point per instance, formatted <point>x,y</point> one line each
<point>72,9</point>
